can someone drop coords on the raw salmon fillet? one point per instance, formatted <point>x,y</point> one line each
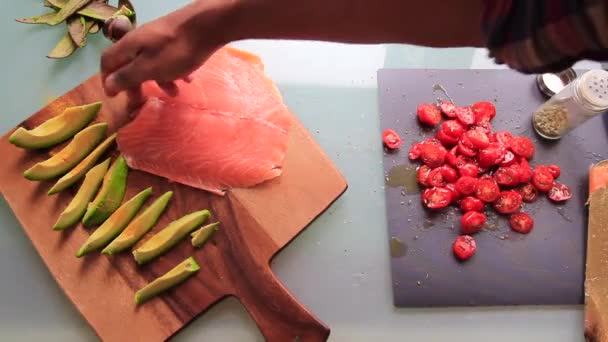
<point>227,128</point>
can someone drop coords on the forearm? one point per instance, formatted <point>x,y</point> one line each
<point>438,23</point>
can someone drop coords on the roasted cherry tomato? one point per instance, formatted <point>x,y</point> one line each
<point>448,108</point>
<point>522,147</point>
<point>469,169</point>
<point>433,155</point>
<point>436,198</point>
<point>471,203</point>
<point>453,128</point>
<point>472,222</point>
<point>521,222</point>
<point>508,202</point>
<point>528,193</point>
<point>446,139</point>
<point>391,139</point>
<point>464,247</point>
<point>491,155</point>
<point>507,176</point>
<point>423,175</point>
<point>449,173</point>
<point>560,192</point>
<point>555,171</point>
<point>508,159</point>
<point>487,190</point>
<point>466,185</point>
<point>478,138</point>
<point>542,179</point>
<point>428,114</point>
<point>465,115</point>
<point>415,151</point>
<point>453,191</point>
<point>436,178</point>
<point>484,111</point>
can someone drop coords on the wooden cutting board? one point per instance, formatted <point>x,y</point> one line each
<point>256,224</point>
<point>544,267</point>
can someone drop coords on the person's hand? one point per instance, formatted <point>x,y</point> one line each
<point>166,49</point>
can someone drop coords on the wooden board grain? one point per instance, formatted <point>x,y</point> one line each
<point>256,224</point>
<point>545,267</point>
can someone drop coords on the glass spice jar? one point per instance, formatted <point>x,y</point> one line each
<point>582,99</point>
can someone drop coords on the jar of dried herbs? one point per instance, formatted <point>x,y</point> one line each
<point>582,99</point>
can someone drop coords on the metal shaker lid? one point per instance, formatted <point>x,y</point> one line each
<point>594,88</point>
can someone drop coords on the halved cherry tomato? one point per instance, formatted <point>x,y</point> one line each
<point>449,173</point>
<point>528,193</point>
<point>478,138</point>
<point>436,178</point>
<point>453,191</point>
<point>487,190</point>
<point>453,128</point>
<point>484,111</point>
<point>522,147</point>
<point>465,115</point>
<point>485,127</point>
<point>415,151</point>
<point>555,170</point>
<point>391,139</point>
<point>525,172</point>
<point>462,160</point>
<point>466,185</point>
<point>521,222</point>
<point>451,156</point>
<point>542,179</point>
<point>502,137</point>
<point>429,114</point>
<point>506,176</point>
<point>431,141</point>
<point>465,150</point>
<point>469,169</point>
<point>433,155</point>
<point>491,155</point>
<point>464,247</point>
<point>560,192</point>
<point>471,203</point>
<point>423,175</point>
<point>472,222</point>
<point>508,202</point>
<point>448,108</point>
<point>446,139</point>
<point>436,198</point>
<point>508,159</point>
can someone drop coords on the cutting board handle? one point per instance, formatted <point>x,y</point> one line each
<point>277,313</point>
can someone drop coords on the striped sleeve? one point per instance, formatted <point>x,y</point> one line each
<point>535,36</point>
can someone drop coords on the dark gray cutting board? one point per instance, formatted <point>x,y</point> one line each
<point>543,267</point>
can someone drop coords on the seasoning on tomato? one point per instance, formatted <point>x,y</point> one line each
<point>452,128</point>
<point>487,190</point>
<point>469,169</point>
<point>423,175</point>
<point>466,150</point>
<point>464,247</point>
<point>472,222</point>
<point>521,222</point>
<point>391,139</point>
<point>471,203</point>
<point>522,147</point>
<point>436,177</point>
<point>465,115</point>
<point>528,193</point>
<point>555,170</point>
<point>428,114</point>
<point>449,173</point>
<point>448,108</point>
<point>415,151</point>
<point>484,127</point>
<point>466,185</point>
<point>478,138</point>
<point>508,202</point>
<point>491,155</point>
<point>446,139</point>
<point>436,197</point>
<point>506,176</point>
<point>502,137</point>
<point>484,111</point>
<point>463,160</point>
<point>560,192</point>
<point>433,155</point>
<point>542,179</point>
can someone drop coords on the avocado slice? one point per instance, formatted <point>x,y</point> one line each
<point>57,129</point>
<point>175,276</point>
<point>77,207</point>
<point>170,236</point>
<point>115,223</point>
<point>82,144</point>
<point>139,226</point>
<point>110,195</point>
<point>201,236</point>
<point>83,167</point>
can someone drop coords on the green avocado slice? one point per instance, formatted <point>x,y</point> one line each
<point>110,195</point>
<point>115,223</point>
<point>77,207</point>
<point>82,144</point>
<point>201,236</point>
<point>175,276</point>
<point>170,236</point>
<point>83,167</point>
<point>139,226</point>
<point>57,129</point>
